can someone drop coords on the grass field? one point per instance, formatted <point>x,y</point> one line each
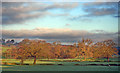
<point>59,68</point>
<point>58,65</point>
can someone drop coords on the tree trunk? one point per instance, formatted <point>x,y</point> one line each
<point>84,57</point>
<point>107,59</point>
<point>21,62</point>
<point>34,60</point>
<point>48,59</point>
<point>5,55</point>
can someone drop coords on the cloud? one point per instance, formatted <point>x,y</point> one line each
<point>101,8</point>
<point>60,0</point>
<point>97,9</point>
<point>67,24</point>
<point>107,0</point>
<point>80,18</point>
<point>99,31</point>
<point>62,14</point>
<point>52,34</point>
<point>17,0</point>
<point>45,33</point>
<point>19,12</point>
<point>117,16</point>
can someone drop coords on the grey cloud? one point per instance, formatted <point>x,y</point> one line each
<point>101,8</point>
<point>117,16</point>
<point>103,36</point>
<point>44,33</point>
<point>100,12</point>
<point>80,18</point>
<point>13,12</point>
<point>63,5</point>
<point>20,18</point>
<point>63,35</point>
<point>99,31</point>
<point>17,0</point>
<point>67,24</point>
<point>60,0</point>
<point>97,9</point>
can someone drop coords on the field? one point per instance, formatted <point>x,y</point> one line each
<point>60,65</point>
<point>59,68</point>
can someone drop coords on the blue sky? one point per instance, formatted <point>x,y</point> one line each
<point>74,16</point>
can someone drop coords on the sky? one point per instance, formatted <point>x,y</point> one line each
<point>67,22</point>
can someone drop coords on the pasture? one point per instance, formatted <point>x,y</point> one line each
<point>60,65</point>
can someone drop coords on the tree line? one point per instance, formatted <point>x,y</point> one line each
<point>38,49</point>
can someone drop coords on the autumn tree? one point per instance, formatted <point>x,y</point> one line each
<point>105,49</point>
<point>71,51</point>
<point>46,51</point>
<point>17,53</point>
<point>57,49</point>
<point>35,49</point>
<point>65,52</point>
<point>84,48</point>
<point>41,49</point>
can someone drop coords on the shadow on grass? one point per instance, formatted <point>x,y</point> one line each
<point>5,63</point>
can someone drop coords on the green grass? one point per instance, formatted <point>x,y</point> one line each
<point>59,68</point>
<point>67,66</point>
<point>25,62</point>
<point>56,61</point>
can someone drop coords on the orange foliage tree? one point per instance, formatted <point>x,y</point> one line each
<point>17,53</point>
<point>41,49</point>
<point>105,49</point>
<point>85,48</point>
